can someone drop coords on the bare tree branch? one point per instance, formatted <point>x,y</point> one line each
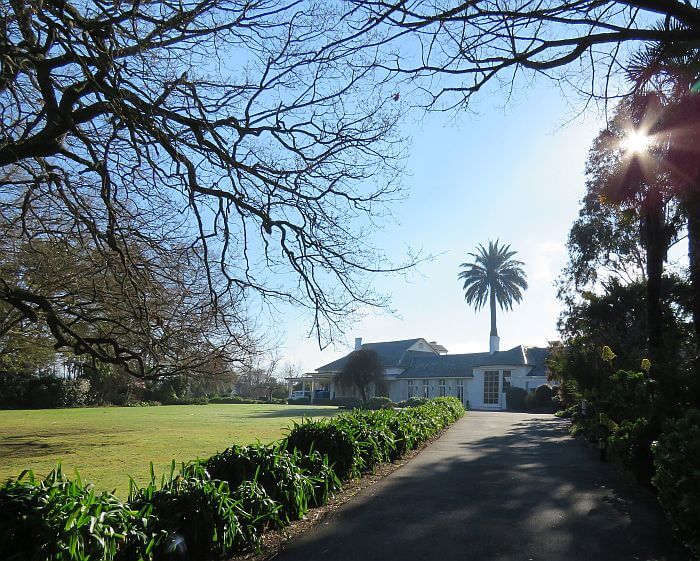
<point>244,147</point>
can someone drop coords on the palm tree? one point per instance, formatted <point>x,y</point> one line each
<point>495,275</point>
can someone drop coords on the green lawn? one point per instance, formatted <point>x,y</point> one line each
<point>107,444</point>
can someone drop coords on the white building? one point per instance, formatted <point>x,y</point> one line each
<point>418,368</point>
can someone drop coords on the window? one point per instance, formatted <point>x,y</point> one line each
<point>460,390</point>
<point>491,387</point>
<point>506,381</point>
<point>411,389</point>
<point>441,387</point>
<point>426,389</point>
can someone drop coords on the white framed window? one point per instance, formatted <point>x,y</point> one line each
<point>426,388</point>
<point>491,387</point>
<point>441,387</point>
<point>411,389</point>
<point>460,390</point>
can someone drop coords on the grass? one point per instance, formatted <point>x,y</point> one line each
<point>107,444</point>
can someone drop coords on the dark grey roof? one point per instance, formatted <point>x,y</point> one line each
<point>390,353</point>
<point>437,347</point>
<point>428,365</point>
<point>438,366</point>
<point>536,357</point>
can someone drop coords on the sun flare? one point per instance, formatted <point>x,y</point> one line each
<point>636,142</point>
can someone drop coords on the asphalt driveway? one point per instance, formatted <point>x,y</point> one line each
<point>496,486</point>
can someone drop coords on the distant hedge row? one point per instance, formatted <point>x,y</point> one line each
<point>212,508</point>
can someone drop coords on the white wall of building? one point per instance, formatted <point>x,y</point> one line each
<point>472,392</point>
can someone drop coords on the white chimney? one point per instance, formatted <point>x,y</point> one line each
<point>358,343</point>
<point>494,341</point>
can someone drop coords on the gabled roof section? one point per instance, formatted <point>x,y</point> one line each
<point>390,353</point>
<point>437,347</point>
<point>438,366</point>
<point>537,358</point>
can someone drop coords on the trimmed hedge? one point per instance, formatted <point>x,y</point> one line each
<point>358,441</point>
<point>379,402</point>
<point>330,439</point>
<point>190,515</point>
<point>346,402</point>
<point>212,508</point>
<point>516,398</point>
<point>273,468</point>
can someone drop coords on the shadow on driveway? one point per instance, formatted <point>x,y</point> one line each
<point>497,487</point>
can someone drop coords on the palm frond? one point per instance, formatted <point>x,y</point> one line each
<point>493,269</point>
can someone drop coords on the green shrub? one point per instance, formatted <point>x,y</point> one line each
<point>430,418</point>
<point>55,519</point>
<point>344,402</point>
<point>378,402</point>
<point>273,468</point>
<point>567,413</point>
<point>416,401</point>
<point>530,401</point>
<point>631,442</point>
<point>232,400</point>
<point>258,512</point>
<point>299,401</point>
<point>187,401</point>
<point>371,431</point>
<point>192,516</point>
<point>317,468</point>
<point>330,439</point>
<point>405,435</point>
<point>629,397</point>
<point>515,398</point>
<point>358,441</point>
<point>677,477</point>
<point>543,397</point>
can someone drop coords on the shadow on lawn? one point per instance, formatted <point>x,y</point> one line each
<point>296,411</point>
<point>27,448</point>
<point>533,493</point>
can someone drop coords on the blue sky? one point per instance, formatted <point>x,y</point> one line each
<point>514,173</point>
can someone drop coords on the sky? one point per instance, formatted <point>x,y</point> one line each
<point>512,173</point>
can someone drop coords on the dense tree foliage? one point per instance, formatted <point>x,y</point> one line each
<point>617,317</point>
<point>363,371</point>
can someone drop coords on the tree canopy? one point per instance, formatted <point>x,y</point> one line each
<point>364,371</point>
<point>217,149</point>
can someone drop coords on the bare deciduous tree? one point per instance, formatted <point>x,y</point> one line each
<point>458,47</point>
<point>227,151</point>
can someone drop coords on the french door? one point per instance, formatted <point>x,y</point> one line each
<point>491,389</point>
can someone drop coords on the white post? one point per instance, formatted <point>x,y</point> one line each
<point>312,391</point>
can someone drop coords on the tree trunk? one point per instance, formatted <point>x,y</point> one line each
<point>691,204</point>
<point>692,210</point>
<point>492,304</point>
<point>653,225</point>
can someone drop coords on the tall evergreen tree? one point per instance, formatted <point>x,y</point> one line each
<point>496,276</point>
